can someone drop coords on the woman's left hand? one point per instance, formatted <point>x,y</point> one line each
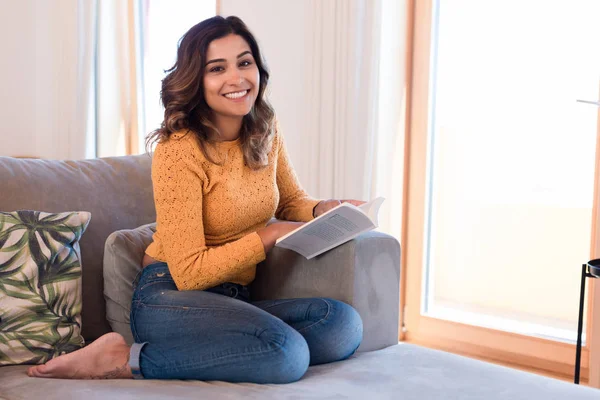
<point>326,205</point>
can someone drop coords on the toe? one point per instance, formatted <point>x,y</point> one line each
<point>34,371</point>
<point>38,371</point>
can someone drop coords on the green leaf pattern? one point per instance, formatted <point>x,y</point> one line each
<point>40,285</point>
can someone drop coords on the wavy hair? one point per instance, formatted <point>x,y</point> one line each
<point>182,94</point>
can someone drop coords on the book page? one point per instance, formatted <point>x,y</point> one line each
<point>590,102</point>
<point>372,209</point>
<point>337,226</point>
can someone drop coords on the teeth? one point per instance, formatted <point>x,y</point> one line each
<point>236,95</point>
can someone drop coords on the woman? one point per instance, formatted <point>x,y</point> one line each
<point>220,172</point>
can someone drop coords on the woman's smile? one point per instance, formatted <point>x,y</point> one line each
<point>236,95</point>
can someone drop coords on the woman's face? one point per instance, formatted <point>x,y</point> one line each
<point>231,77</point>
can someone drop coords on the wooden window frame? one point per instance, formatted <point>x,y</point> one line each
<point>520,351</point>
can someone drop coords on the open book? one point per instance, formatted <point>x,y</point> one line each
<point>331,229</point>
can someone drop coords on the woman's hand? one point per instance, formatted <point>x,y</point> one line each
<point>274,231</point>
<point>326,205</point>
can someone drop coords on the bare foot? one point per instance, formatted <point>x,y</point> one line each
<point>105,358</point>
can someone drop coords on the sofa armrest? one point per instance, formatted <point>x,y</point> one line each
<point>364,272</point>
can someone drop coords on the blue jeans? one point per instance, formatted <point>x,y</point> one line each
<point>218,334</point>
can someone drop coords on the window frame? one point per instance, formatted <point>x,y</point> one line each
<point>520,351</point>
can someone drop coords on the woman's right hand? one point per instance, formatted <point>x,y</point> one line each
<point>271,233</point>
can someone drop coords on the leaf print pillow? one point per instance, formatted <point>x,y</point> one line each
<point>40,285</point>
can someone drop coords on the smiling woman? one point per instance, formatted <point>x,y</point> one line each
<point>230,82</point>
<point>231,62</point>
<point>211,233</point>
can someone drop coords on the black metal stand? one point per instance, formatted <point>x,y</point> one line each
<point>589,270</point>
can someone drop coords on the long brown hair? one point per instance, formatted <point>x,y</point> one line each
<point>182,94</point>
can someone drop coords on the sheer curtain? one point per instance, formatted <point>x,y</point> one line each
<point>342,95</point>
<point>337,83</point>
<point>355,80</point>
<point>387,166</point>
<point>118,78</point>
<point>77,82</point>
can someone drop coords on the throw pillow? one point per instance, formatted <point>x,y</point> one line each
<point>40,285</point>
<point>123,254</point>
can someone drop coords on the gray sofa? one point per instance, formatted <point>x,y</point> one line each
<point>364,273</point>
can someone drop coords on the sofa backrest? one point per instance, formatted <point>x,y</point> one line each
<point>116,190</point>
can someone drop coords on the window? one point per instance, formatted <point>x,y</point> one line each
<point>502,171</point>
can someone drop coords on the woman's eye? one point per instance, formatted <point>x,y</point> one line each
<point>245,63</point>
<point>216,69</point>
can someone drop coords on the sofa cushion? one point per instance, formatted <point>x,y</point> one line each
<point>116,190</point>
<point>40,285</point>
<point>403,371</point>
<point>123,253</point>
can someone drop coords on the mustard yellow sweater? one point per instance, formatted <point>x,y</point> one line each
<point>208,215</point>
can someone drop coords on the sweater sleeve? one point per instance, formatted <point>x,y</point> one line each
<point>178,180</point>
<point>294,203</point>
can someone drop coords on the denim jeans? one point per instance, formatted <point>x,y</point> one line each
<point>219,334</point>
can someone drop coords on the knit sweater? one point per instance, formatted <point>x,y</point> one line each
<point>208,214</point>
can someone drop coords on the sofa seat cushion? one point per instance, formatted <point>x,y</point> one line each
<point>403,372</point>
<point>123,253</point>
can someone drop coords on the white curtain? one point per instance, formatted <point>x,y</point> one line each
<point>387,166</point>
<point>355,78</point>
<point>118,78</point>
<point>83,132</point>
<point>342,94</point>
<point>76,78</point>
